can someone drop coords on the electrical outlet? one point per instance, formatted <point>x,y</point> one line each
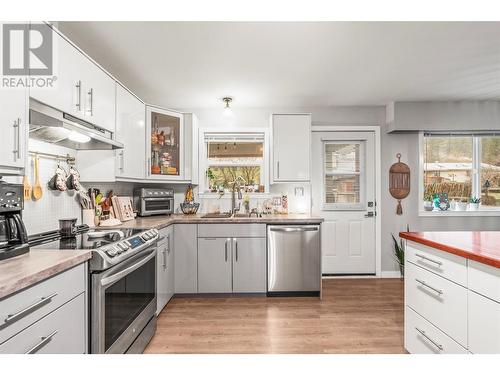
<point>299,191</point>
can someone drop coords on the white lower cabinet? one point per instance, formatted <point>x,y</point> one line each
<point>165,268</point>
<point>63,331</point>
<point>48,317</point>
<point>186,258</point>
<point>214,265</point>
<point>424,338</point>
<point>438,300</point>
<point>231,265</point>
<point>452,304</point>
<point>249,265</point>
<point>484,324</point>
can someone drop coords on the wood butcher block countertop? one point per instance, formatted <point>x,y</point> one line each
<point>162,221</point>
<point>28,269</point>
<point>483,247</point>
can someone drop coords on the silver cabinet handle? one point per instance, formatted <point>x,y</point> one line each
<point>122,160</point>
<point>225,249</point>
<point>422,332</point>
<point>168,243</point>
<point>17,142</point>
<point>429,259</point>
<point>423,283</point>
<point>78,105</point>
<point>164,258</point>
<point>91,101</point>
<point>294,229</point>
<point>37,304</point>
<point>148,166</point>
<point>44,340</point>
<point>236,248</point>
<point>278,169</point>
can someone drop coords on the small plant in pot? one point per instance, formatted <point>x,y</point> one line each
<point>474,203</point>
<point>428,204</point>
<point>399,252</point>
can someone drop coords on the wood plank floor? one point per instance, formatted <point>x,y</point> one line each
<point>354,316</point>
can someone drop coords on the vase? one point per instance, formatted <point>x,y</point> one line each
<point>428,206</point>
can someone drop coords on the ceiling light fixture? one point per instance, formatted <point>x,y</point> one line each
<point>78,137</point>
<point>227,109</point>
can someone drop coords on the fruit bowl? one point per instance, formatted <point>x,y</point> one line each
<point>189,208</point>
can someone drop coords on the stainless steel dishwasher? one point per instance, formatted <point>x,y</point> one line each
<point>293,260</point>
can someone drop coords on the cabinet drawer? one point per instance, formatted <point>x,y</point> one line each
<point>421,337</point>
<point>54,334</point>
<point>484,325</point>
<point>231,230</point>
<point>444,264</point>
<point>33,303</point>
<point>440,301</point>
<point>484,280</point>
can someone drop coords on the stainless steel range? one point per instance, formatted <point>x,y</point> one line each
<point>122,284</point>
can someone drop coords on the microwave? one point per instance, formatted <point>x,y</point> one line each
<point>153,201</point>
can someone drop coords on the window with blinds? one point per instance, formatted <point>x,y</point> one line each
<point>234,157</point>
<point>343,175</point>
<point>464,166</point>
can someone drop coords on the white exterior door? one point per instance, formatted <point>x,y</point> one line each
<point>343,193</point>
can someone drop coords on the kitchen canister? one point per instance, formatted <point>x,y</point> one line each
<point>88,217</point>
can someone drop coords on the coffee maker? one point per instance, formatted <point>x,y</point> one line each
<point>13,235</point>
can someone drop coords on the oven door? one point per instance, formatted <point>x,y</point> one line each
<point>123,302</point>
<point>151,206</point>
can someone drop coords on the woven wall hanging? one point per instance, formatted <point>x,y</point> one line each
<point>399,182</point>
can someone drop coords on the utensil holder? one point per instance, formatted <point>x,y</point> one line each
<point>88,217</point>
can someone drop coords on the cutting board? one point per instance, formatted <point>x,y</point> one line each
<point>123,208</point>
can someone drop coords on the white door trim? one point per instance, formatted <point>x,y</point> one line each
<point>378,180</point>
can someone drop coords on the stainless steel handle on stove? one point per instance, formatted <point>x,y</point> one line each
<point>422,332</point>
<point>429,259</point>
<point>295,229</point>
<point>42,301</point>
<point>236,248</point>
<point>111,278</point>
<point>423,283</point>
<point>44,340</point>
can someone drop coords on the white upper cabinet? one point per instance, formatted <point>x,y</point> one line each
<point>131,131</point>
<point>164,144</point>
<point>291,147</point>
<point>82,89</point>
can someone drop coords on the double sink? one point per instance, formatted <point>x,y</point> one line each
<point>224,215</point>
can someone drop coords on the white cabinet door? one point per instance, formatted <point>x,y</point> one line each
<point>161,277</point>
<point>14,129</point>
<point>214,265</point>
<point>291,135</point>
<point>483,324</point>
<point>131,131</point>
<point>249,265</point>
<point>186,258</point>
<point>68,94</point>
<point>100,97</point>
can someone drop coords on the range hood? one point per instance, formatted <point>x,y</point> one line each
<point>50,125</point>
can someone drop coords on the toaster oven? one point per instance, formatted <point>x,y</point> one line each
<point>154,201</point>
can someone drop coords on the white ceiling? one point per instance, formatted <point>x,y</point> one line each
<point>280,64</point>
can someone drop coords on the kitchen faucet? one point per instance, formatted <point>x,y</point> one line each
<point>236,186</point>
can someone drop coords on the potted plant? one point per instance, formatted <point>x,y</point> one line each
<point>428,205</point>
<point>474,203</point>
<point>399,254</point>
<point>461,205</point>
<point>211,180</point>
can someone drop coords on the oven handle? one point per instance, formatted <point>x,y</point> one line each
<point>118,275</point>
<point>157,199</point>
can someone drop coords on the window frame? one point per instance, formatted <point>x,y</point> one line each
<point>362,178</point>
<point>204,163</point>
<point>476,176</point>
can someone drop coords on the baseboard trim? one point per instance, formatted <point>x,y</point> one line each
<point>390,274</point>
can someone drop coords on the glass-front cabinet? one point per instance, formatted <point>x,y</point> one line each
<point>164,144</point>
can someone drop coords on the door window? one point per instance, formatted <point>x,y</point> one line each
<point>343,169</point>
